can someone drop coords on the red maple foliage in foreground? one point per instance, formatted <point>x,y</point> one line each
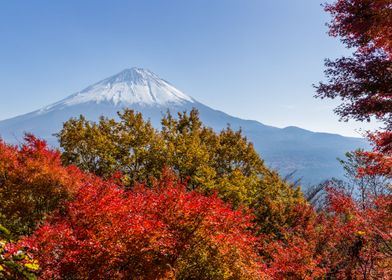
<point>363,23</point>
<point>147,233</point>
<point>95,229</point>
<point>33,185</point>
<point>33,182</point>
<point>358,236</point>
<point>348,240</point>
<point>378,161</point>
<point>364,81</point>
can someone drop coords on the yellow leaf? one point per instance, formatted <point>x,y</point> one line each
<point>32,266</point>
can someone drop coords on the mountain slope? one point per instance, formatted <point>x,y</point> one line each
<point>312,155</point>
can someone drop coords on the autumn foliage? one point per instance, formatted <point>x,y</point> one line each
<point>347,240</point>
<point>33,183</point>
<point>364,81</point>
<point>79,226</point>
<point>147,233</point>
<point>362,238</point>
<point>224,162</point>
<point>93,228</point>
<point>362,23</point>
<point>101,229</point>
<point>378,161</point>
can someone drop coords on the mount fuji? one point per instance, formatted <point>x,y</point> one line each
<point>312,155</point>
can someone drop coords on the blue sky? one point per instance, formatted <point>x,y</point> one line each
<point>255,59</point>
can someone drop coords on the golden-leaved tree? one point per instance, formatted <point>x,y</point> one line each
<point>224,162</point>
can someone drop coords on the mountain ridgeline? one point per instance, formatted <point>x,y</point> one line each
<point>312,156</point>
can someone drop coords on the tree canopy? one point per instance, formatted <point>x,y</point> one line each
<point>363,81</point>
<point>207,161</point>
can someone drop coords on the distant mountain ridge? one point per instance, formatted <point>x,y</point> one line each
<point>312,155</point>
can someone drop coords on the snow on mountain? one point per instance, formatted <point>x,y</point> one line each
<point>312,155</point>
<point>131,86</point>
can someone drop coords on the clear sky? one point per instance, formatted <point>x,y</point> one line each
<point>255,59</point>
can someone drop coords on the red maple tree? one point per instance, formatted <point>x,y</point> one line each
<point>147,233</point>
<point>33,183</point>
<point>364,81</point>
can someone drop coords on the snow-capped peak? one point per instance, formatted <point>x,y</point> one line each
<point>130,86</point>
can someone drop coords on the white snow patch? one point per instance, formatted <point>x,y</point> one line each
<point>131,86</point>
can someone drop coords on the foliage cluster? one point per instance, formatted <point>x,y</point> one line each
<point>169,229</point>
<point>33,183</point>
<point>364,81</point>
<point>209,162</point>
<point>163,232</point>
